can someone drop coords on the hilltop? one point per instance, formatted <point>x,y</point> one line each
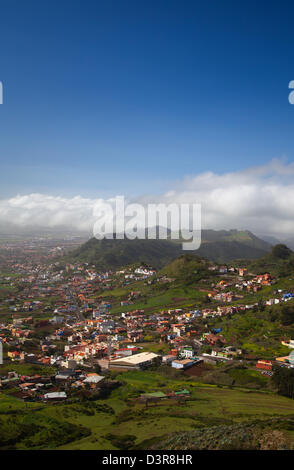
<point>113,254</point>
<point>280,261</point>
<point>187,268</point>
<point>226,245</point>
<point>220,246</point>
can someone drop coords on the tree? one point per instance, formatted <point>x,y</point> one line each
<point>281,251</point>
<point>97,369</point>
<point>287,315</point>
<point>283,379</point>
<point>261,305</point>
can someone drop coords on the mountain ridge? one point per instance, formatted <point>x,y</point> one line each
<point>218,246</point>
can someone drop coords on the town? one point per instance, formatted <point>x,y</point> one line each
<point>58,317</point>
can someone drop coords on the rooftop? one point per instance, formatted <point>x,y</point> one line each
<point>137,358</point>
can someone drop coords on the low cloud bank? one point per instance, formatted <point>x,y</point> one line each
<point>259,199</point>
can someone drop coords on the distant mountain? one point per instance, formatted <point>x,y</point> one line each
<point>270,239</point>
<point>245,237</point>
<point>112,254</point>
<point>220,246</point>
<point>289,242</point>
<point>11,231</point>
<point>226,245</point>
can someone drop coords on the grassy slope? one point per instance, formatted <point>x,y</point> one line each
<point>210,405</point>
<point>217,245</point>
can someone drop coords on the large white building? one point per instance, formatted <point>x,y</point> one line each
<point>137,361</point>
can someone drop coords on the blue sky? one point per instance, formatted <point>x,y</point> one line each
<point>108,97</point>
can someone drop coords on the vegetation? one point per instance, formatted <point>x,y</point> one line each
<point>121,422</point>
<point>206,407</point>
<point>283,380</point>
<point>219,246</point>
<point>279,261</point>
<point>36,431</point>
<point>27,369</point>
<point>287,315</point>
<point>257,332</point>
<point>186,268</point>
<point>113,254</point>
<point>268,435</point>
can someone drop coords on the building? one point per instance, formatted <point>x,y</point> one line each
<point>182,364</point>
<point>138,361</point>
<point>187,352</point>
<point>290,344</point>
<point>243,272</point>
<point>94,380</point>
<point>264,365</point>
<point>168,359</point>
<point>55,396</point>
<point>69,364</point>
<point>291,358</point>
<point>57,319</point>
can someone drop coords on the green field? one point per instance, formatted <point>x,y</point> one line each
<point>207,406</point>
<point>154,300</point>
<point>121,422</point>
<point>26,369</point>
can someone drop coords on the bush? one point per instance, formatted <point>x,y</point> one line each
<point>43,432</point>
<point>283,380</point>
<point>123,442</point>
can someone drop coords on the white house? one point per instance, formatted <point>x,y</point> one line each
<point>182,364</point>
<point>55,396</point>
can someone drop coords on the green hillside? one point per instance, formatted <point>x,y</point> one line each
<point>279,261</point>
<point>186,268</point>
<point>272,434</point>
<point>219,246</point>
<point>226,245</point>
<point>109,254</point>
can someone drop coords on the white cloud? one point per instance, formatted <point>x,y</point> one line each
<point>259,199</point>
<point>47,211</point>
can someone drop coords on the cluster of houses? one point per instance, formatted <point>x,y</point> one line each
<point>51,388</point>
<point>226,290</point>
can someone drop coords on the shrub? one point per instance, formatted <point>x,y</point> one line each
<point>122,442</point>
